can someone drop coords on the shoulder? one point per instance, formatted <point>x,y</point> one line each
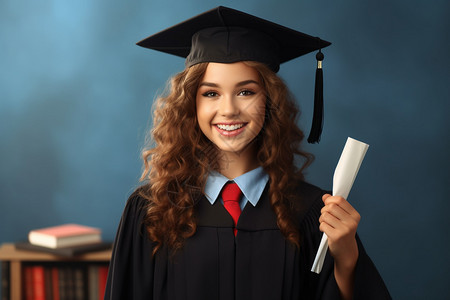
<point>137,197</point>
<point>136,207</point>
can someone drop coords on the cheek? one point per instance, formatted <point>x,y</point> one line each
<point>259,113</point>
<point>204,115</point>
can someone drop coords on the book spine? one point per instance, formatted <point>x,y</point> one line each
<point>70,285</point>
<point>93,282</point>
<point>55,283</point>
<point>38,282</point>
<point>28,283</point>
<point>62,280</point>
<point>48,282</point>
<point>5,280</point>
<point>79,284</point>
<point>102,278</point>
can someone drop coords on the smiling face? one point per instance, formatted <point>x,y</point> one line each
<point>231,108</point>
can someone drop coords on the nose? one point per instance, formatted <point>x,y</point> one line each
<point>228,107</point>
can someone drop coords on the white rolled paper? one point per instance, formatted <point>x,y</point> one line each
<point>344,176</point>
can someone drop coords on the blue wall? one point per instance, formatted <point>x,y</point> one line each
<point>76,94</point>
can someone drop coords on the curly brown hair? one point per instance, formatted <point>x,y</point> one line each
<point>179,157</point>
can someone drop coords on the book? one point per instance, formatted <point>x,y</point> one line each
<point>63,282</point>
<point>64,236</point>
<point>48,282</point>
<point>93,282</point>
<point>5,280</point>
<point>38,282</point>
<point>80,285</point>
<point>55,283</point>
<point>65,251</point>
<point>28,282</point>
<point>102,278</point>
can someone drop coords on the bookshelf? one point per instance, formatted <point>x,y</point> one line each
<point>18,259</point>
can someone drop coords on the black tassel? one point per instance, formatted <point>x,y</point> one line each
<point>317,122</point>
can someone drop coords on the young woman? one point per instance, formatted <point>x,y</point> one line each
<point>228,126</point>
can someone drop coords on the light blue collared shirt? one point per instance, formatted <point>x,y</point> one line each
<point>252,185</point>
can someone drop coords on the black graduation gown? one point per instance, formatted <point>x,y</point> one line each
<point>215,265</point>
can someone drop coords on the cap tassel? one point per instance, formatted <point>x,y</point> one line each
<point>317,122</point>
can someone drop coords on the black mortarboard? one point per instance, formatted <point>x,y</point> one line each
<point>225,35</point>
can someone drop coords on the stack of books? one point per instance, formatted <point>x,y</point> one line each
<point>61,281</point>
<point>65,240</point>
<point>63,278</point>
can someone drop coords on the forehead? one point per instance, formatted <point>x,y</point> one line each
<point>229,73</point>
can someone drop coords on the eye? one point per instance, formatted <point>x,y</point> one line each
<point>210,94</point>
<point>246,93</point>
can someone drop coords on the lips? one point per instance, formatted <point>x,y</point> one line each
<point>230,129</point>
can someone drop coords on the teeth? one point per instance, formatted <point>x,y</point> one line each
<point>230,127</point>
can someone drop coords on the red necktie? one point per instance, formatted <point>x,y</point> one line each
<point>231,194</point>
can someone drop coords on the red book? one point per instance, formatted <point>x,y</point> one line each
<point>28,282</point>
<point>38,282</point>
<point>64,236</point>
<point>102,277</point>
<point>55,283</point>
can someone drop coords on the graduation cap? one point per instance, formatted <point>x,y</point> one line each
<point>225,35</point>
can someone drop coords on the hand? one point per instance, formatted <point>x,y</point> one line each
<point>339,221</point>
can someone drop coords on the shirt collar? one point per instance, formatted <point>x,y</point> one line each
<point>252,185</point>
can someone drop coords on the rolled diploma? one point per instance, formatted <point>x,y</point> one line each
<point>344,176</point>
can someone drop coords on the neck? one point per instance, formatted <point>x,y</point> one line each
<point>234,164</point>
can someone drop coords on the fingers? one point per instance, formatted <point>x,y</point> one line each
<point>339,207</point>
<point>338,214</point>
<point>329,200</point>
<point>335,229</point>
<point>339,221</point>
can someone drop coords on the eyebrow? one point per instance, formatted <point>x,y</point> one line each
<point>239,84</point>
